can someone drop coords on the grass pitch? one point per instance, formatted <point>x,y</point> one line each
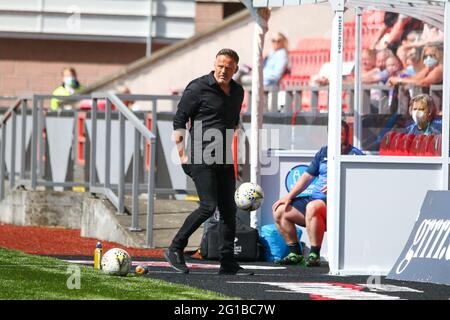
<point>24,276</point>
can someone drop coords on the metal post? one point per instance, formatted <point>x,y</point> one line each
<point>148,50</point>
<point>2,162</point>
<point>135,187</point>
<point>121,163</point>
<point>34,146</point>
<point>334,137</point>
<point>357,130</point>
<point>23,140</point>
<point>93,177</point>
<point>108,144</point>
<point>446,100</point>
<point>151,187</point>
<point>12,173</point>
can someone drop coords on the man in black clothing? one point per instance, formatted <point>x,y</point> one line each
<point>212,104</point>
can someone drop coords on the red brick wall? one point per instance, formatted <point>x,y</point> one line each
<point>207,15</point>
<point>28,65</point>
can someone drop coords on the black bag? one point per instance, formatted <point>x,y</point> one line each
<point>247,246</point>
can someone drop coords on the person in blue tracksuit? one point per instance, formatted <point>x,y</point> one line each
<point>309,212</point>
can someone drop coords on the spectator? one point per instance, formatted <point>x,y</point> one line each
<point>432,73</point>
<point>322,78</point>
<point>368,59</point>
<point>410,42</point>
<point>69,87</point>
<point>132,105</point>
<point>275,64</point>
<point>430,35</point>
<point>308,211</point>
<point>414,63</point>
<point>395,29</point>
<point>379,73</point>
<point>423,112</point>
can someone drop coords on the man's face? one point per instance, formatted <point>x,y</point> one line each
<point>224,69</point>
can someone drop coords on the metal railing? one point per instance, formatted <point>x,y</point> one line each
<point>315,98</point>
<point>35,175</point>
<point>139,131</point>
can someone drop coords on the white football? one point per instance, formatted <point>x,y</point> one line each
<point>116,262</point>
<point>249,196</point>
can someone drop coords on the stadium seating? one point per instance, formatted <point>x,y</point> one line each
<point>404,145</point>
<point>416,144</point>
<point>386,141</point>
<point>434,147</point>
<point>427,140</point>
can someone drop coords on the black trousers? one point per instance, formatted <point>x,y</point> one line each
<point>215,186</point>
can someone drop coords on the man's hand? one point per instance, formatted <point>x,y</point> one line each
<point>283,201</point>
<point>178,137</point>
<point>324,189</point>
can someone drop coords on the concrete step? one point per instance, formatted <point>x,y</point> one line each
<point>168,217</point>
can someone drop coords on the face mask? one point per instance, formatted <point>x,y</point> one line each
<point>418,116</point>
<point>430,61</point>
<point>410,70</point>
<point>69,81</point>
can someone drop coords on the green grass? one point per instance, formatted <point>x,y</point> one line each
<point>24,276</point>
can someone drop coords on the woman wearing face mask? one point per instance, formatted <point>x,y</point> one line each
<point>69,87</point>
<point>423,111</point>
<point>432,73</point>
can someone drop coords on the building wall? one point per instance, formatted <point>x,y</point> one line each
<point>174,71</point>
<point>35,65</point>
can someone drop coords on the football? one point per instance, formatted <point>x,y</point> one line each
<point>116,262</point>
<point>249,196</point>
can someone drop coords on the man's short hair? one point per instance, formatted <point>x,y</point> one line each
<point>229,52</point>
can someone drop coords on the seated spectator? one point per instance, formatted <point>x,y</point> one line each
<point>276,63</point>
<point>423,112</point>
<point>308,211</point>
<point>432,73</point>
<point>323,77</point>
<point>69,86</point>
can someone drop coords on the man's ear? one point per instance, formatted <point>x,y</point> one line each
<point>237,69</point>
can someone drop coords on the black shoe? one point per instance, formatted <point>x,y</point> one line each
<point>176,260</point>
<point>237,270</point>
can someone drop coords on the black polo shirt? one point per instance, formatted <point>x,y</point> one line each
<point>213,115</point>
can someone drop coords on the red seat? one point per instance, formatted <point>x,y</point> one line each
<point>395,144</point>
<point>386,143</point>
<point>414,149</point>
<point>423,150</point>
<point>434,147</point>
<point>404,145</point>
